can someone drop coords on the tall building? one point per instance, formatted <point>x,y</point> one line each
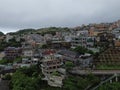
<point>51,63</point>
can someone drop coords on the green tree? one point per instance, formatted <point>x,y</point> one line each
<point>110,86</point>
<point>82,50</point>
<point>26,79</point>
<point>13,43</point>
<point>44,46</point>
<point>4,61</point>
<point>7,77</point>
<point>18,59</point>
<point>79,83</point>
<point>75,83</point>
<point>69,65</point>
<point>92,78</point>
<point>22,82</point>
<point>69,83</point>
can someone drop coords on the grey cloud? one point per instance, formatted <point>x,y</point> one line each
<point>17,14</point>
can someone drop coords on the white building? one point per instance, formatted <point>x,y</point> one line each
<point>8,37</point>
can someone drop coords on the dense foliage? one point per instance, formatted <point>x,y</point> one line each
<point>26,79</point>
<point>4,61</point>
<point>79,83</point>
<point>108,67</point>
<point>42,31</point>
<point>29,79</point>
<point>3,45</point>
<point>82,50</point>
<point>12,43</point>
<point>44,46</point>
<point>110,86</point>
<point>69,65</point>
<point>52,30</point>
<point>24,31</point>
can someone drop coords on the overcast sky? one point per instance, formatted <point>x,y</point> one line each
<point>19,14</point>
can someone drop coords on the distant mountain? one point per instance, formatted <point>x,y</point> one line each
<point>24,31</point>
<point>42,31</point>
<point>52,30</point>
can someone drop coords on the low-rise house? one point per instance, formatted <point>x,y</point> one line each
<point>35,40</point>
<point>67,38</point>
<point>21,65</point>
<point>8,37</point>
<point>86,61</point>
<point>2,55</point>
<point>56,42</point>
<point>79,41</point>
<point>2,38</point>
<point>90,42</point>
<point>105,38</point>
<point>116,32</point>
<point>56,81</point>
<point>36,57</point>
<point>60,44</point>
<point>26,60</point>
<point>81,38</point>
<point>96,29</point>
<point>11,53</point>
<point>46,52</point>
<point>117,43</point>
<point>118,23</point>
<point>24,65</point>
<point>48,37</point>
<point>69,56</point>
<point>35,60</point>
<point>27,52</point>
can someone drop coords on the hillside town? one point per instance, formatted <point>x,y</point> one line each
<point>62,54</point>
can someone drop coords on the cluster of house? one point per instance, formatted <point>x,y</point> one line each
<point>53,59</point>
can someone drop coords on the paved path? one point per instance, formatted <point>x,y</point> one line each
<point>96,72</point>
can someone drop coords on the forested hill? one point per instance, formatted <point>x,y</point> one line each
<point>24,31</point>
<point>42,31</point>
